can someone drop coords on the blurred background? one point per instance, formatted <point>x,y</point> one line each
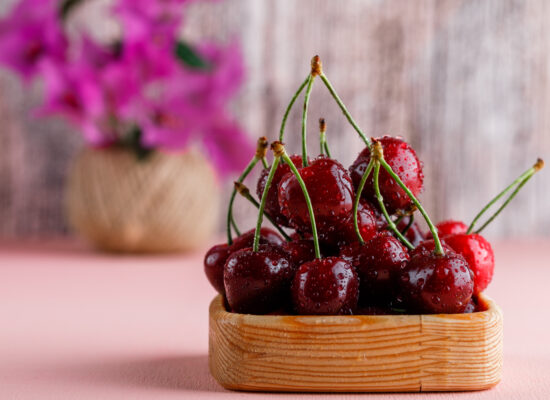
<point>467,83</point>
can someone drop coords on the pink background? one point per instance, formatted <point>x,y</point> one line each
<point>77,324</point>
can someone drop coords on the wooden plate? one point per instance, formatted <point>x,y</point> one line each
<point>360,353</point>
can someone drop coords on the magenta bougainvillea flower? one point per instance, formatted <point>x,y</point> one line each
<point>148,81</point>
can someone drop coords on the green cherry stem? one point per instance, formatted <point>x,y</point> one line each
<point>245,192</point>
<point>358,198</point>
<point>323,137</point>
<point>411,221</point>
<point>520,181</point>
<point>339,101</point>
<point>261,150</point>
<point>304,119</point>
<point>382,206</point>
<point>289,107</point>
<point>264,162</point>
<point>279,151</point>
<point>379,154</point>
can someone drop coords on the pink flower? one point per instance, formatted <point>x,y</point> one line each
<point>31,35</point>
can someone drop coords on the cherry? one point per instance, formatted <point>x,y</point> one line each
<point>214,261</point>
<point>478,253</point>
<point>414,234</point>
<point>471,307</point>
<point>451,227</point>
<point>272,202</point>
<point>327,286</point>
<point>257,281</point>
<point>300,251</point>
<point>436,284</point>
<point>267,236</point>
<point>378,263</point>
<point>428,247</point>
<point>403,160</point>
<point>330,190</point>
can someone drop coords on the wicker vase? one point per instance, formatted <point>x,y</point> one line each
<point>165,203</point>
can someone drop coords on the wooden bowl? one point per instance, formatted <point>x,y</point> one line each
<point>359,353</point>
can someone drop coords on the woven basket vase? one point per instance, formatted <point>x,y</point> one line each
<point>165,203</point>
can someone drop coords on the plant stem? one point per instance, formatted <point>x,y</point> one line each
<point>380,199</point>
<point>289,107</point>
<point>243,191</point>
<point>358,198</point>
<point>230,220</point>
<point>323,138</point>
<point>308,202</point>
<point>263,201</point>
<point>524,177</point>
<point>411,221</point>
<point>438,247</point>
<point>264,162</point>
<point>304,119</point>
<point>344,109</point>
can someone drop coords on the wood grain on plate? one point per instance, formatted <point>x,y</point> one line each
<point>383,353</point>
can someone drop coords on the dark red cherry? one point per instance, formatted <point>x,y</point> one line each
<point>214,261</point>
<point>403,160</point>
<point>451,227</point>
<point>329,187</point>
<point>437,284</point>
<point>379,262</point>
<point>300,251</point>
<point>267,236</point>
<point>479,254</point>
<point>327,286</point>
<point>414,234</point>
<point>428,247</point>
<point>257,282</point>
<point>272,203</point>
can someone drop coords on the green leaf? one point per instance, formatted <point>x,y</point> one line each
<point>188,56</point>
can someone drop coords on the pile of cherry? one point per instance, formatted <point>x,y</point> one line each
<point>354,247</point>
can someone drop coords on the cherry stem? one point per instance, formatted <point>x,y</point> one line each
<point>411,221</point>
<point>358,198</point>
<point>323,138</point>
<point>438,247</point>
<point>382,206</point>
<point>311,78</point>
<point>289,107</point>
<point>261,150</point>
<point>263,201</point>
<point>520,181</point>
<point>344,109</point>
<point>264,162</point>
<point>245,192</point>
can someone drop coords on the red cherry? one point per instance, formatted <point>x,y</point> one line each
<point>257,282</point>
<point>403,160</point>
<point>428,247</point>
<point>479,254</point>
<point>327,286</point>
<point>329,187</point>
<point>471,307</point>
<point>414,234</point>
<point>267,236</point>
<point>451,227</point>
<point>272,202</point>
<point>300,251</point>
<point>214,261</point>
<point>437,284</point>
<point>378,263</point>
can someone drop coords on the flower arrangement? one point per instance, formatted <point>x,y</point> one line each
<point>147,90</point>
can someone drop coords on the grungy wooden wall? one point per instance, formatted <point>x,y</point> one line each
<point>465,81</point>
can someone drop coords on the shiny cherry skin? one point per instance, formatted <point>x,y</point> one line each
<point>327,286</point>
<point>479,254</point>
<point>267,236</point>
<point>451,227</point>
<point>403,160</point>
<point>214,261</point>
<point>300,251</point>
<point>272,202</point>
<point>437,284</point>
<point>378,263</point>
<point>257,282</point>
<point>330,190</point>
<point>428,246</point>
<point>414,234</point>
<point>471,307</point>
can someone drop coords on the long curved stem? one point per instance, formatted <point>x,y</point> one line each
<point>289,107</point>
<point>264,163</point>
<point>409,224</point>
<point>344,109</point>
<point>304,119</point>
<point>358,198</point>
<point>438,247</point>
<point>524,177</point>
<point>380,199</point>
<point>302,184</point>
<point>230,220</point>
<point>263,201</point>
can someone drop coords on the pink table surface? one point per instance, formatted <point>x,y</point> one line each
<point>80,325</point>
